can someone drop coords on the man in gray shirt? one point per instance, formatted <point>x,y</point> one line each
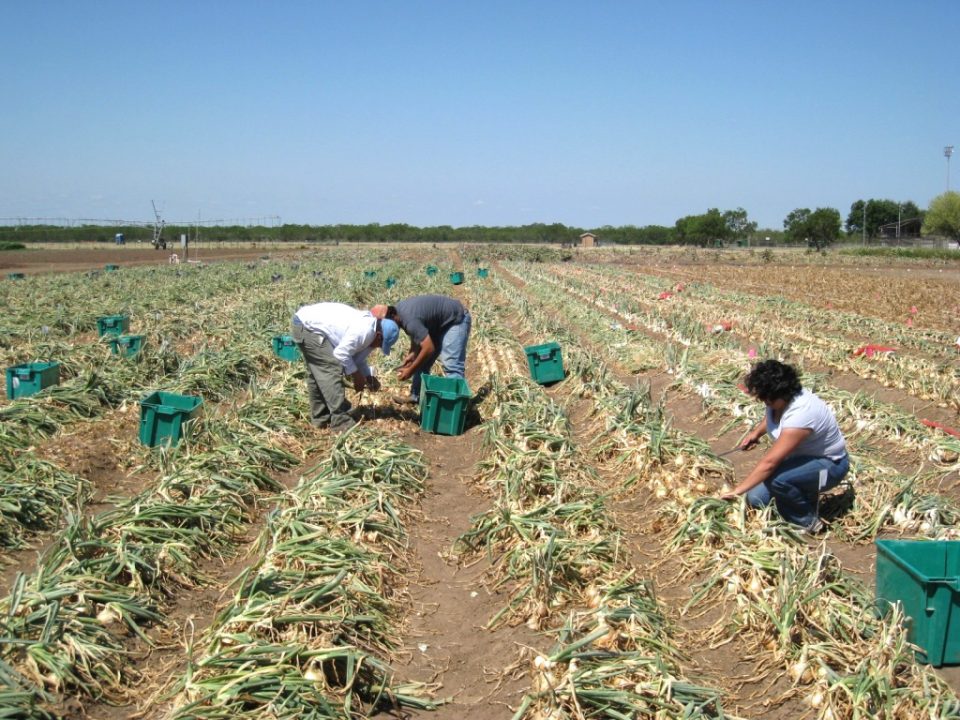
<point>438,327</point>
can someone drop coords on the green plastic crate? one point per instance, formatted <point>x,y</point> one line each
<point>15,276</point>
<point>285,347</point>
<point>432,270</point>
<point>443,404</point>
<point>924,576</point>
<point>113,325</point>
<point>31,378</point>
<point>482,272</point>
<point>456,278</point>
<point>390,282</point>
<point>163,414</point>
<point>126,345</point>
<point>369,273</point>
<point>111,268</point>
<point>546,362</point>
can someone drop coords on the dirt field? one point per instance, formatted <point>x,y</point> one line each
<point>47,260</point>
<point>484,673</point>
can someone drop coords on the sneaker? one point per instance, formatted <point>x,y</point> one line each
<point>815,528</point>
<point>405,400</point>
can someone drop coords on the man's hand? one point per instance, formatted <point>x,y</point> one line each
<point>749,444</point>
<point>405,373</point>
<point>373,383</point>
<point>359,381</point>
<point>729,495</point>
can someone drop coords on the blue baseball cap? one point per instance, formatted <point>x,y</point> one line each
<point>390,333</point>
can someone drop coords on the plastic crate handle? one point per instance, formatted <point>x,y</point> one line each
<point>545,355</point>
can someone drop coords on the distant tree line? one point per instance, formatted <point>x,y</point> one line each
<point>817,229</point>
<point>688,230</point>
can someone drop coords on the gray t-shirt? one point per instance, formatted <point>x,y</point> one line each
<point>431,315</point>
<point>807,411</point>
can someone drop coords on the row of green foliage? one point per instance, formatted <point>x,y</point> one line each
<point>8,245</point>
<point>904,252</point>
<point>554,233</point>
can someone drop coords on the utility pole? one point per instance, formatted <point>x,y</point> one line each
<point>864,222</point>
<point>947,152</point>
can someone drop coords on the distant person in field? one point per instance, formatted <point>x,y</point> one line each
<point>335,340</point>
<point>439,328</point>
<point>808,455</point>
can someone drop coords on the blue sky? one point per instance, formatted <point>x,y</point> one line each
<point>462,113</point>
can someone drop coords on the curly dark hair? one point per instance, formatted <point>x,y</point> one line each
<point>773,380</point>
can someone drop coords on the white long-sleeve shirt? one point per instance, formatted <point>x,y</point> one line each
<point>350,331</point>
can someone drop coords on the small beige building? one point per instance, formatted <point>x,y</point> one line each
<point>588,240</point>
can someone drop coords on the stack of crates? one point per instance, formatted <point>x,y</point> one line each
<point>545,362</point>
<point>15,276</point>
<point>111,268</point>
<point>443,404</point>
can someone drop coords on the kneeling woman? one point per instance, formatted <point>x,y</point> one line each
<point>808,454</point>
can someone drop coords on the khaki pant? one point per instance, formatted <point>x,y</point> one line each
<point>328,401</point>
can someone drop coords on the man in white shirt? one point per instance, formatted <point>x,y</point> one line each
<point>335,339</point>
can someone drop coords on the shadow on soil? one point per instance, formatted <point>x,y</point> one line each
<point>837,504</point>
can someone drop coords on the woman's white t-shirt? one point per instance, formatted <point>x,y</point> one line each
<point>807,411</point>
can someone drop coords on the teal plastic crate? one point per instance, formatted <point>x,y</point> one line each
<point>432,270</point>
<point>369,273</point>
<point>31,378</point>
<point>456,278</point>
<point>15,276</point>
<point>390,282</point>
<point>285,347</point>
<point>163,414</point>
<point>126,345</point>
<point>111,268</point>
<point>113,325</point>
<point>443,404</point>
<point>924,576</point>
<point>546,362</point>
<point>482,272</point>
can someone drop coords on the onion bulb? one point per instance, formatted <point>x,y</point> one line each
<point>107,616</point>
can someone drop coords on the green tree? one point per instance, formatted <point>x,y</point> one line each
<point>818,229</point>
<point>702,230</point>
<point>879,213</point>
<point>943,216</point>
<point>738,224</point>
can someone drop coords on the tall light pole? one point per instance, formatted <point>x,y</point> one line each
<point>947,152</point>
<point>864,222</point>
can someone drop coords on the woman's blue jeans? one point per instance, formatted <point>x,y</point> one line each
<point>795,486</point>
<point>452,354</point>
